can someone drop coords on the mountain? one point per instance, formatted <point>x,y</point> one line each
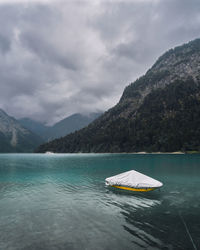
<point>160,111</point>
<point>34,126</point>
<point>70,124</point>
<point>14,137</point>
<point>61,128</point>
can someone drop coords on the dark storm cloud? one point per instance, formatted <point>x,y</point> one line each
<point>61,57</point>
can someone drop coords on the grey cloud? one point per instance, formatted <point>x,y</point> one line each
<point>4,44</point>
<point>46,51</point>
<point>62,57</point>
<point>150,29</point>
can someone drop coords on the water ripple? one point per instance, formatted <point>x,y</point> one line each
<point>61,202</point>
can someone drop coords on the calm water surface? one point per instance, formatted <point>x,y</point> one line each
<point>61,202</point>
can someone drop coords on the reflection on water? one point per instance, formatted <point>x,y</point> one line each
<point>61,202</point>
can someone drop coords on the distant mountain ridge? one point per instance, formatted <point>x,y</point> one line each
<point>70,124</point>
<point>160,111</point>
<point>14,137</point>
<point>34,126</point>
<point>65,126</point>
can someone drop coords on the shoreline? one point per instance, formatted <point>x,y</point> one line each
<point>140,153</point>
<point>136,153</point>
<point>178,152</point>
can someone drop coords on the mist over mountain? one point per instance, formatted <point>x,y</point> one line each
<point>160,111</point>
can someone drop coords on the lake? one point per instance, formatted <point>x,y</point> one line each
<point>61,202</point>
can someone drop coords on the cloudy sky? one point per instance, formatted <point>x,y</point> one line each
<point>61,57</point>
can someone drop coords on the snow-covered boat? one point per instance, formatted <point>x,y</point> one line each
<point>133,181</point>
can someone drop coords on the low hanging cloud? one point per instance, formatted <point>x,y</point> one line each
<point>62,57</point>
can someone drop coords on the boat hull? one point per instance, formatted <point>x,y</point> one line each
<point>134,189</point>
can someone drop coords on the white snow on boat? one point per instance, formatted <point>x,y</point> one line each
<point>133,181</point>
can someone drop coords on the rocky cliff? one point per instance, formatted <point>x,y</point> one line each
<point>14,137</point>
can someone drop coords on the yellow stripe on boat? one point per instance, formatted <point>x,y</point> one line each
<point>135,189</point>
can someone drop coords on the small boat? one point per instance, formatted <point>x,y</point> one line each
<point>133,181</point>
<point>49,153</point>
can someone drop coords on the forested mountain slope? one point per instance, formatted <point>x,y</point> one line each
<point>158,112</point>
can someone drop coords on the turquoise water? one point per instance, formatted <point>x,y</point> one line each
<point>61,202</point>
